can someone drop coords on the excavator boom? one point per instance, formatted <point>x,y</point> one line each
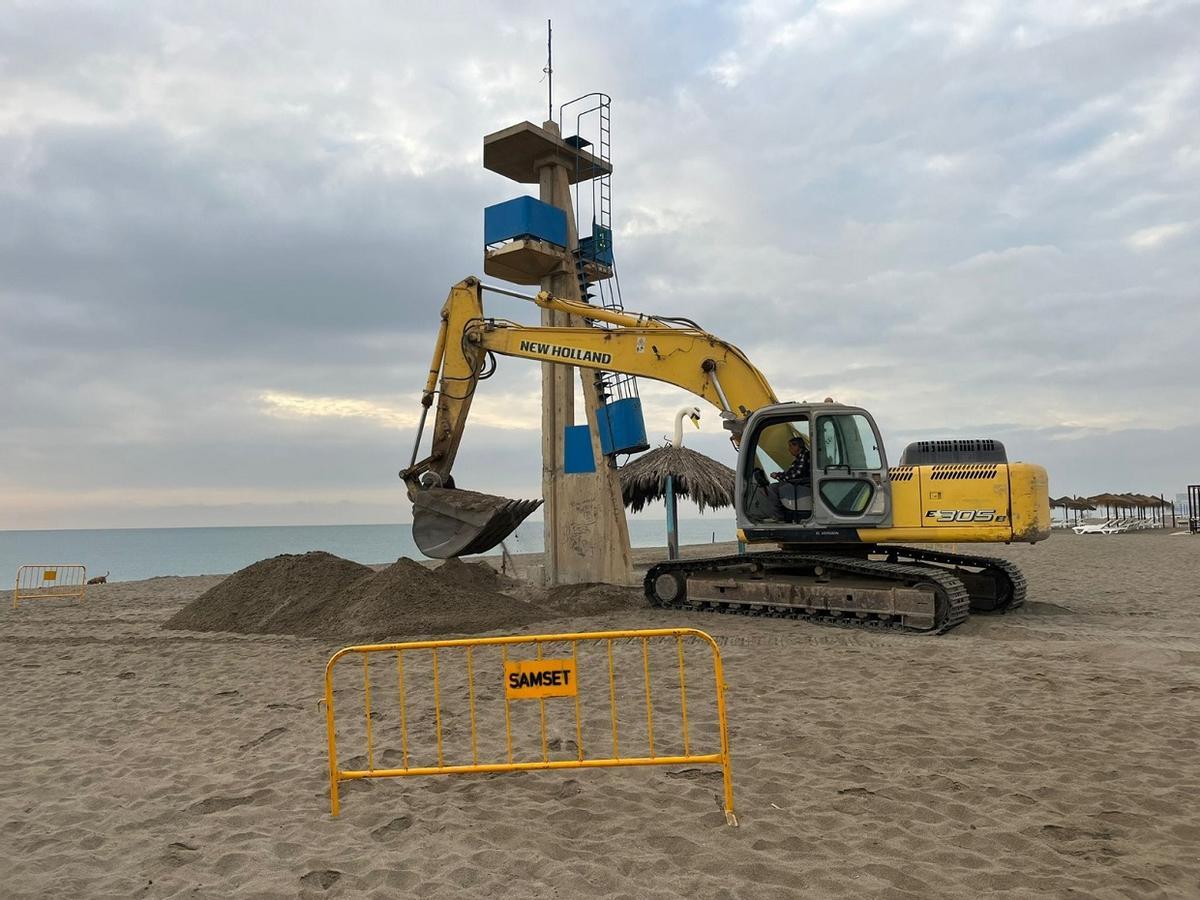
<point>451,522</point>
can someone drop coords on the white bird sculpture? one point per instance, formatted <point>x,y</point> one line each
<point>692,412</point>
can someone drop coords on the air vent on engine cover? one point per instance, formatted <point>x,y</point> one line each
<point>982,450</point>
<point>962,471</point>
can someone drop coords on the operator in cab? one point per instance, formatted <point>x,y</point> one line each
<point>792,483</point>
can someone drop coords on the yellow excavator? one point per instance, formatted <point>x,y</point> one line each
<point>843,531</point>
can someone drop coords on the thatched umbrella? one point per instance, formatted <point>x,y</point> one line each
<point>1111,502</point>
<point>1069,504</point>
<point>1136,502</point>
<point>1079,504</point>
<point>1064,502</point>
<point>670,472</point>
<point>1155,505</point>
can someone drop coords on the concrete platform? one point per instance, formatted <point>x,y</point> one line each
<point>596,271</point>
<point>524,261</point>
<point>518,152</point>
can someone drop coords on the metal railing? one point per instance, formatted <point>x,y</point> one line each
<point>542,678</point>
<point>44,582</point>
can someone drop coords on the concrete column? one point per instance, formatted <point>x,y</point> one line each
<point>586,534</point>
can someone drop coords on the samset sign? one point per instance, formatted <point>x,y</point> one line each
<point>533,679</point>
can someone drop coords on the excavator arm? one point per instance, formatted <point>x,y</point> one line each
<point>451,522</point>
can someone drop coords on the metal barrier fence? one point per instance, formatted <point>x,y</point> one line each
<point>45,582</point>
<point>542,678</point>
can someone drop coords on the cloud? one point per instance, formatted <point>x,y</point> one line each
<point>1144,238</point>
<point>506,411</point>
<point>294,405</point>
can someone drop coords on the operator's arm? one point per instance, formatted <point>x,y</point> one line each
<point>799,472</point>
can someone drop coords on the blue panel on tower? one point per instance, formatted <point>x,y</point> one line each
<point>597,246</point>
<point>524,217</point>
<point>622,428</point>
<point>577,450</point>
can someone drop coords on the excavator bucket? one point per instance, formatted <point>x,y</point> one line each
<point>448,522</point>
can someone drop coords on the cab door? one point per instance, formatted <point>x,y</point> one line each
<point>850,476</point>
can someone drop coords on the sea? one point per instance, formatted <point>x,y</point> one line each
<point>131,554</point>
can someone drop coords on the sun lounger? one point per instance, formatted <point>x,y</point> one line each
<point>1111,526</point>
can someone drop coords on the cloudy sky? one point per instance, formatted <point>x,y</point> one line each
<point>226,230</point>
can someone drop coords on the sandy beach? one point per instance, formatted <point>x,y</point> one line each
<point>1054,751</point>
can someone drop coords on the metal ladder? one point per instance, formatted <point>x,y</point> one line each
<point>607,291</point>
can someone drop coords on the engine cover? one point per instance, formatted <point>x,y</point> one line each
<point>956,450</point>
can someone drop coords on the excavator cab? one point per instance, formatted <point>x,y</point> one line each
<point>847,484</point>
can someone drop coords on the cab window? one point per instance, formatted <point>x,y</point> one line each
<point>847,442</point>
<point>847,496</point>
<point>771,443</point>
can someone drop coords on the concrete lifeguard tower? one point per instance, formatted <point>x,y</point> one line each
<point>536,241</point>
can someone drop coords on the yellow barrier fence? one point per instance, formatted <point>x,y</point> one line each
<point>477,715</point>
<point>45,582</point>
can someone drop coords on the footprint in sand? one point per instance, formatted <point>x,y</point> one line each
<point>392,828</point>
<point>1067,833</point>
<point>694,774</point>
<point>180,854</point>
<point>220,804</point>
<point>323,880</point>
<point>262,739</point>
<point>568,789</point>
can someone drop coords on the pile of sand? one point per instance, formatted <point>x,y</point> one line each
<point>407,599</point>
<point>474,576</point>
<point>320,595</point>
<point>284,595</point>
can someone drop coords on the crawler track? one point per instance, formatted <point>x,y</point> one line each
<point>666,586</point>
<point>998,586</point>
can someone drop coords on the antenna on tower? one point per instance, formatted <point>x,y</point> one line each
<point>549,71</point>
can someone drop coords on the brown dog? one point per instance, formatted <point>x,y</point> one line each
<point>99,579</point>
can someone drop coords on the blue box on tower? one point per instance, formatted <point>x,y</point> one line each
<point>524,217</point>
<point>597,246</point>
<point>622,427</point>
<point>577,450</point>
